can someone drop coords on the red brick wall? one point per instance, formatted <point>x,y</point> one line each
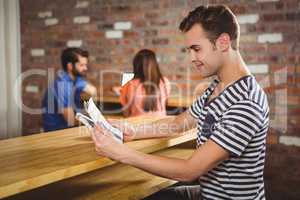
<point>269,43</point>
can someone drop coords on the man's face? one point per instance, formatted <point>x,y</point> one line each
<point>203,54</point>
<point>81,66</point>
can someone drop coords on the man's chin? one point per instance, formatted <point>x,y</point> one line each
<point>81,74</point>
<point>206,75</point>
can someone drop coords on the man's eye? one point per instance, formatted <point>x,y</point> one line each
<point>197,49</point>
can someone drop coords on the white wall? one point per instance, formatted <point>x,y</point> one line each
<point>10,69</point>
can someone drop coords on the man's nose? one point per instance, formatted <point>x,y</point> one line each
<point>192,56</point>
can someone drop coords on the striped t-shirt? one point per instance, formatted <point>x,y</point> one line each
<point>237,120</point>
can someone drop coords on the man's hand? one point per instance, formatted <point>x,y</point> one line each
<point>126,128</point>
<point>69,116</point>
<point>106,145</point>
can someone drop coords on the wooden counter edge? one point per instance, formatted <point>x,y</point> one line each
<point>25,185</point>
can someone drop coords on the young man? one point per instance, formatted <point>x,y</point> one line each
<point>231,118</point>
<point>62,98</point>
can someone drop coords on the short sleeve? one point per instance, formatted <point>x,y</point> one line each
<point>80,84</point>
<point>238,126</point>
<point>196,107</point>
<point>64,94</point>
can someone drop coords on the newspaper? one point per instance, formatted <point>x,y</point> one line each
<point>96,117</point>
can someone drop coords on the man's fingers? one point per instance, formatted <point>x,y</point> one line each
<point>98,135</point>
<point>112,121</point>
<point>95,137</point>
<point>115,123</point>
<point>100,130</point>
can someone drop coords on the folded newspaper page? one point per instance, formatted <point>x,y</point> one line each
<point>96,117</point>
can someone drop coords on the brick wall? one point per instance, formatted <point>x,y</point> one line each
<point>113,30</point>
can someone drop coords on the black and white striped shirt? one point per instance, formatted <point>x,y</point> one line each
<point>237,120</point>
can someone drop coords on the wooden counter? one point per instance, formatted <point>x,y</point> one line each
<point>33,161</point>
<point>116,182</point>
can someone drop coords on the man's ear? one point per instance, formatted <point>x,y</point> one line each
<point>223,42</point>
<point>69,67</point>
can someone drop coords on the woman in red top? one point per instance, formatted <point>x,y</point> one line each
<point>148,91</point>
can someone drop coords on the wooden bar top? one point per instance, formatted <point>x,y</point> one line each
<point>116,182</point>
<point>32,161</point>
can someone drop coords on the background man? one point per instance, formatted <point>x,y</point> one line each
<point>62,98</point>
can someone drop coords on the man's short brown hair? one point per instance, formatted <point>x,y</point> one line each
<point>215,20</point>
<point>70,55</point>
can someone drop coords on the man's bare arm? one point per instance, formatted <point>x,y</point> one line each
<point>203,159</point>
<point>166,127</point>
<point>90,89</point>
<point>69,116</point>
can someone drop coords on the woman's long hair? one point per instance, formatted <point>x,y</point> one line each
<point>146,69</point>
